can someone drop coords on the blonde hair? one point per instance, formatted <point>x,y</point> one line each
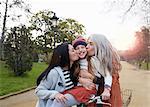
<point>106,54</point>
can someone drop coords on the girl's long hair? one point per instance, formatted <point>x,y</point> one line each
<point>60,57</point>
<point>76,69</point>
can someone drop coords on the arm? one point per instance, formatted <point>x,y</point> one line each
<point>87,83</point>
<point>85,74</point>
<point>107,80</point>
<point>107,86</point>
<point>44,89</point>
<point>84,69</point>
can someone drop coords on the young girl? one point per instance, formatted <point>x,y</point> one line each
<point>82,92</point>
<point>80,46</point>
<point>87,71</point>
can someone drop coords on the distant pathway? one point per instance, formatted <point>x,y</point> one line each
<point>130,78</point>
<point>139,82</point>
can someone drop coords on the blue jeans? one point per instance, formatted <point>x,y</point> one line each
<point>70,102</point>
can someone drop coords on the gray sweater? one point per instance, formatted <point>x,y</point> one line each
<point>49,87</point>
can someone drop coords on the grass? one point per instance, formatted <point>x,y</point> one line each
<point>10,83</point>
<point>144,66</point>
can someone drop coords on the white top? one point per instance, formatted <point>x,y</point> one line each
<point>83,64</point>
<point>99,70</point>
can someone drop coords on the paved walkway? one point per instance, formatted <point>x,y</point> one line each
<point>139,82</point>
<point>27,99</point>
<point>130,78</point>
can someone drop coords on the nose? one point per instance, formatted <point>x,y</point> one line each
<point>75,51</point>
<point>80,49</point>
<point>87,46</point>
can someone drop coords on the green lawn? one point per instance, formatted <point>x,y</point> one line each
<point>10,83</point>
<point>144,66</point>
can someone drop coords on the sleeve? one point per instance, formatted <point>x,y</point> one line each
<point>83,64</point>
<point>44,89</point>
<point>98,80</point>
<point>108,79</point>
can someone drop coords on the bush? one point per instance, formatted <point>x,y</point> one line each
<point>18,50</point>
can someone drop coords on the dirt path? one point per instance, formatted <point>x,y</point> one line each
<point>27,99</point>
<point>139,82</point>
<point>130,78</point>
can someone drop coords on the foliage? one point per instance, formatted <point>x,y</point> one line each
<point>18,50</point>
<point>48,36</point>
<point>47,58</point>
<point>69,29</point>
<point>141,51</point>
<point>10,8</point>
<point>144,66</point>
<point>10,83</point>
<point>41,23</point>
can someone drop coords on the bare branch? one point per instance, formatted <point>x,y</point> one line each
<point>133,3</point>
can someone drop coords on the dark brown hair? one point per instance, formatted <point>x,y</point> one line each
<point>60,57</point>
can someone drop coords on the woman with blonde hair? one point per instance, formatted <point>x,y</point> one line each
<point>106,63</point>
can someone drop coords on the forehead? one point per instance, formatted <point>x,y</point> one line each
<point>80,46</point>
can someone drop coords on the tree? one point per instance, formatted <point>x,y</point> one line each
<point>9,6</point>
<point>18,50</point>
<point>146,38</point>
<point>142,6</point>
<point>125,8</point>
<point>141,51</point>
<point>69,29</point>
<point>42,25</point>
<point>65,30</point>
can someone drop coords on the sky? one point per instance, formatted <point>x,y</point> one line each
<point>98,16</point>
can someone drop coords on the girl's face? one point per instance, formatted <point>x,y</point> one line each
<point>81,51</point>
<point>72,54</point>
<point>90,47</point>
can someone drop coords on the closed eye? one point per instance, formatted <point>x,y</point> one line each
<point>91,43</point>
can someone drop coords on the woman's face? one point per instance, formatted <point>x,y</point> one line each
<point>72,54</point>
<point>90,47</point>
<point>81,51</point>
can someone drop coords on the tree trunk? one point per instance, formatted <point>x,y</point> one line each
<point>3,31</point>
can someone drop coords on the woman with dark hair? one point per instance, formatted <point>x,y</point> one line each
<point>57,78</point>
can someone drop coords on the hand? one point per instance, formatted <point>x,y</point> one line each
<point>106,94</point>
<point>85,74</point>
<point>90,86</point>
<point>87,83</point>
<point>60,98</point>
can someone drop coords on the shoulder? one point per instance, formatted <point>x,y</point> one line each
<point>55,71</point>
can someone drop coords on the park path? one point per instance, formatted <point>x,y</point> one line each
<point>130,78</point>
<point>139,82</point>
